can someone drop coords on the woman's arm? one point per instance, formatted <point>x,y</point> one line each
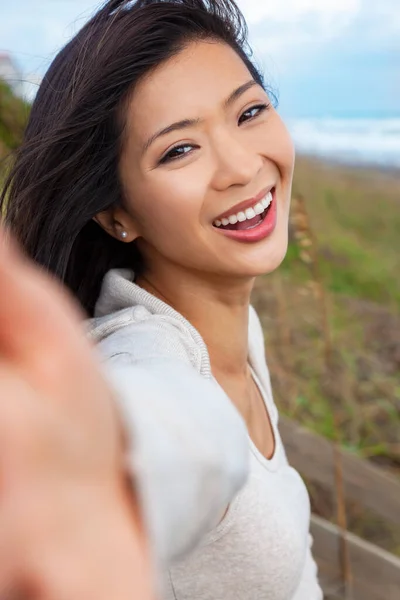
<point>71,526</point>
<point>187,445</point>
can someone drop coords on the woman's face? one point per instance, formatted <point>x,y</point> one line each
<point>191,154</point>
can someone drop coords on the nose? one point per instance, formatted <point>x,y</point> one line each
<point>235,163</point>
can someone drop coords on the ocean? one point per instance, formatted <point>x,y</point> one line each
<point>360,141</point>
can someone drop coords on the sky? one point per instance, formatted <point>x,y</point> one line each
<point>324,58</point>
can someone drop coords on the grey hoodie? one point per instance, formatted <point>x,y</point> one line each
<point>189,451</point>
<point>191,456</point>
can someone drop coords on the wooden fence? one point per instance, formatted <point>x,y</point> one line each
<point>375,573</point>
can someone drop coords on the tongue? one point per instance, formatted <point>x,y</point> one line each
<point>249,223</point>
<point>245,224</point>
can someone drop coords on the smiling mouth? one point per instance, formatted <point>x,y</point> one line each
<point>249,218</point>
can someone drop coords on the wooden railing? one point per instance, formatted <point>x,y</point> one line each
<point>375,573</point>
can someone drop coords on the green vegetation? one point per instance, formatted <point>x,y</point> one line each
<point>354,216</point>
<point>331,317</point>
<point>13,116</point>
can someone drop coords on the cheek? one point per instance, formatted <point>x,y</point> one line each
<point>285,151</point>
<point>174,199</point>
<point>276,144</point>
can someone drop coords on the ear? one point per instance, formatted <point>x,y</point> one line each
<point>115,221</point>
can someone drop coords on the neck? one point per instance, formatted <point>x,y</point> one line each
<point>218,307</point>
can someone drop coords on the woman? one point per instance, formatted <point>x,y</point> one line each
<point>155,182</point>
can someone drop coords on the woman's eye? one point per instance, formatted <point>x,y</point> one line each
<point>180,151</point>
<point>176,153</point>
<point>253,112</point>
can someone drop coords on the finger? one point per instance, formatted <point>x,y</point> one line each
<point>12,584</point>
<point>33,308</point>
<point>7,578</point>
<point>41,327</point>
<point>68,540</point>
<point>41,335</point>
<point>15,417</point>
<point>19,414</point>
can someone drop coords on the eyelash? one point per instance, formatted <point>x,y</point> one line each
<point>167,157</point>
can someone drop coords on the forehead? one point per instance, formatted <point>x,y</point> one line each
<point>188,85</point>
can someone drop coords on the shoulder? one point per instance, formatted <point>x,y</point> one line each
<point>144,336</point>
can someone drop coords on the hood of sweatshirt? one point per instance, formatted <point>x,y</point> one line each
<point>121,302</point>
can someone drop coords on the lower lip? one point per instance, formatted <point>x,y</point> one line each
<point>260,231</point>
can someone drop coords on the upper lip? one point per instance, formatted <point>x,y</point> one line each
<point>242,206</point>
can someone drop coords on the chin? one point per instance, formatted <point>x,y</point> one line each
<point>263,265</point>
<point>267,259</point>
<point>270,265</point>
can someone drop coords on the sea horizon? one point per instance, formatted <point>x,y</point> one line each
<point>365,139</point>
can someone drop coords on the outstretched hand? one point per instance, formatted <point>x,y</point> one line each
<point>69,525</point>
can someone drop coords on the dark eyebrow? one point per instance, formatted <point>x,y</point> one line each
<point>239,92</point>
<point>186,123</point>
<point>174,127</point>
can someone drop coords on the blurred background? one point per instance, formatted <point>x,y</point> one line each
<point>331,314</point>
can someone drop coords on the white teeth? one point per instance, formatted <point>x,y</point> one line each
<point>250,214</point>
<point>267,200</point>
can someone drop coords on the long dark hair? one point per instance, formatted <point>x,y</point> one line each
<point>66,170</point>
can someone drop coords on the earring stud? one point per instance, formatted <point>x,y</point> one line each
<point>124,235</point>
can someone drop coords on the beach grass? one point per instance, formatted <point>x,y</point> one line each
<point>331,318</point>
<point>354,216</point>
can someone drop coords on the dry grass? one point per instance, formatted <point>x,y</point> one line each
<point>332,322</point>
<point>331,319</point>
